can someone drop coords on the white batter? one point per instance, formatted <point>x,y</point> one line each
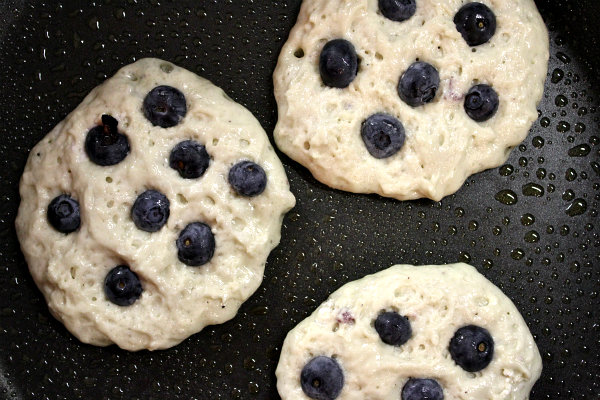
<point>319,126</point>
<point>437,300</point>
<point>178,300</point>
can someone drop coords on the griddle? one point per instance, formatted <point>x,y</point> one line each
<point>543,251</point>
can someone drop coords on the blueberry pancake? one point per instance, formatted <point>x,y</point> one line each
<point>411,333</point>
<point>149,212</point>
<point>407,98</point>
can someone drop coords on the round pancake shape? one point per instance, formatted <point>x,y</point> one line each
<point>154,242</point>
<point>452,331</point>
<point>419,71</point>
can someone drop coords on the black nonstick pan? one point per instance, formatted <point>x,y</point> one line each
<point>543,251</point>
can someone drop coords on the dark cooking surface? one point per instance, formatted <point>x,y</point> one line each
<point>55,54</point>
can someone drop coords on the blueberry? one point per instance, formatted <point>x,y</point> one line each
<point>393,329</point>
<point>190,159</point>
<point>165,106</point>
<point>248,178</point>
<point>383,135</point>
<point>422,389</point>
<point>63,214</point>
<point>195,244</point>
<point>322,378</point>
<point>150,211</point>
<point>481,102</point>
<point>419,84</point>
<point>398,10</point>
<point>476,23</point>
<point>472,347</point>
<point>338,63</point>
<point>104,144</point>
<point>122,286</point>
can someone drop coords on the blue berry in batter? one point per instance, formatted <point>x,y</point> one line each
<point>195,244</point>
<point>105,145</point>
<point>322,378</point>
<point>338,63</point>
<point>63,214</point>
<point>165,106</point>
<point>122,286</point>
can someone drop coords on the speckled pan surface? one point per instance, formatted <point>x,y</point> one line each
<point>544,259</point>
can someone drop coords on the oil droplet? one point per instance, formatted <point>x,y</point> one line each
<point>464,257</point>
<point>578,207</point>
<point>563,127</point>
<point>523,162</point>
<point>507,197</point>
<point>473,225</point>
<point>529,262</point>
<point>532,237</point>
<point>574,267</point>
<point>538,142</point>
<point>253,387</point>
<point>540,173</point>
<point>459,212</point>
<point>497,231</point>
<point>533,189</point>
<point>557,75</point>
<point>488,264</point>
<point>568,195</point>
<point>564,230</point>
<point>94,24</point>
<point>545,122</point>
<point>596,167</point>
<point>506,170</point>
<point>517,254</point>
<point>527,219</point>
<point>249,363</point>
<point>581,150</point>
<point>563,57</point>
<point>561,100</point>
<point>119,13</point>
<point>571,175</point>
<point>579,127</point>
<point>546,261</point>
<point>259,310</point>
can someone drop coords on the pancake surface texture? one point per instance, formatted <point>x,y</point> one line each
<point>322,116</point>
<point>432,304</point>
<point>144,163</point>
